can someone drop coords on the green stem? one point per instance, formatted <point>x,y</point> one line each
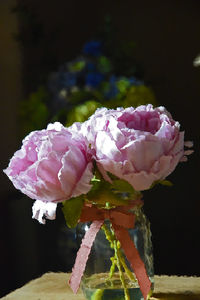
<point>110,238</point>
<point>129,274</point>
<point>98,294</point>
<point>118,260</point>
<point>121,274</point>
<point>112,268</point>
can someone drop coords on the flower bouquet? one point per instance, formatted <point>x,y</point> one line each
<point>98,169</point>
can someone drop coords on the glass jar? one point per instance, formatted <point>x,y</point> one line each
<point>102,279</point>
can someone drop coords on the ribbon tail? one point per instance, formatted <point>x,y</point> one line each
<point>134,259</point>
<point>82,255</point>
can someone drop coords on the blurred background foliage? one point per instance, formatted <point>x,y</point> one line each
<point>103,73</point>
<point>79,87</point>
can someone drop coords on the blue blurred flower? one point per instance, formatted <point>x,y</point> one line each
<point>67,79</point>
<point>135,81</point>
<point>93,48</point>
<point>93,79</point>
<point>111,90</point>
<point>91,66</point>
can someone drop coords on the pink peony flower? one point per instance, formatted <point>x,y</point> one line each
<point>53,165</point>
<point>141,145</point>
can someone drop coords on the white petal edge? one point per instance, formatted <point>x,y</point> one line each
<point>55,126</point>
<point>42,210</point>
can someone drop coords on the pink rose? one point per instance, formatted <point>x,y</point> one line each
<point>53,165</point>
<point>141,145</point>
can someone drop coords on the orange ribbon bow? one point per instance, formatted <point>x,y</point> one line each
<point>121,220</point>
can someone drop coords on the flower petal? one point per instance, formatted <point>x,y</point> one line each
<point>42,210</point>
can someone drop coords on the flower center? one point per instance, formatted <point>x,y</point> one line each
<point>142,120</point>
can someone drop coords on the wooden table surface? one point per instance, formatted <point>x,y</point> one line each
<point>53,286</point>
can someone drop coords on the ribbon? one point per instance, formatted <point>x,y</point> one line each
<point>121,220</point>
<point>82,255</point>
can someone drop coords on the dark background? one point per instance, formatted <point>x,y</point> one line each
<point>167,37</point>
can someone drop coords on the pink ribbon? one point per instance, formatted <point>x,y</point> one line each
<point>121,220</point>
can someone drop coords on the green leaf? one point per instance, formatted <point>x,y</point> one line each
<point>72,210</point>
<point>166,182</point>
<point>122,186</point>
<point>77,66</point>
<point>104,64</point>
<point>123,84</point>
<point>163,182</point>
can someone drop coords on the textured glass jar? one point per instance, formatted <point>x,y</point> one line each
<point>96,283</point>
